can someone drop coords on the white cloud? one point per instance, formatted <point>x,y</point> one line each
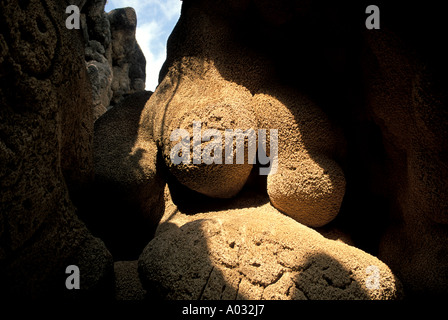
<point>171,8</point>
<point>155,21</point>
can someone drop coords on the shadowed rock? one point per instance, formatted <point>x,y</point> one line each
<point>46,130</point>
<point>212,76</point>
<point>256,253</point>
<point>126,200</point>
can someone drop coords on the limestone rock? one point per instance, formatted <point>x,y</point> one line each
<point>128,61</point>
<point>100,74</point>
<point>309,185</point>
<point>127,194</point>
<point>97,22</point>
<point>39,269</point>
<point>97,36</point>
<point>137,71</point>
<point>46,134</point>
<point>127,282</point>
<point>415,139</point>
<point>257,253</point>
<point>218,105</point>
<point>213,76</point>
<point>114,60</point>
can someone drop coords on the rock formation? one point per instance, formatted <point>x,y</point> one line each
<point>213,77</point>
<point>381,89</point>
<point>46,131</point>
<point>356,208</point>
<point>128,61</point>
<point>115,62</point>
<point>126,201</point>
<point>414,122</point>
<point>127,282</point>
<point>256,253</point>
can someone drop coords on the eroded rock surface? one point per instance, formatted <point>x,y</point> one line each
<point>309,69</point>
<point>126,200</point>
<point>255,252</point>
<point>114,60</point>
<point>127,282</point>
<point>216,78</point>
<point>46,130</point>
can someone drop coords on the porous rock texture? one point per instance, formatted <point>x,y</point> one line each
<point>98,53</point>
<point>46,131</point>
<point>126,202</point>
<point>128,61</point>
<point>255,252</point>
<point>127,282</point>
<point>383,89</point>
<point>405,73</point>
<point>307,68</point>
<point>217,104</point>
<point>114,60</point>
<point>214,77</point>
<point>309,186</point>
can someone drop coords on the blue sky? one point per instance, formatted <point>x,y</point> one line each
<point>155,21</point>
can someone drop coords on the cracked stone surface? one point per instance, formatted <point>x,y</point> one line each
<point>256,253</point>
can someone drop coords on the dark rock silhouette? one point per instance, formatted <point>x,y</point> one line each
<point>125,202</point>
<point>46,131</point>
